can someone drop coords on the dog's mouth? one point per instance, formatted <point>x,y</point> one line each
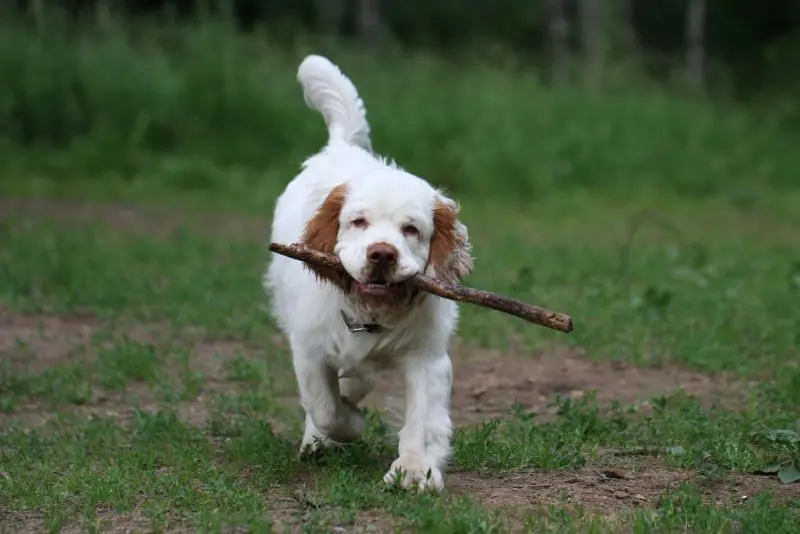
<point>382,289</point>
<point>377,289</point>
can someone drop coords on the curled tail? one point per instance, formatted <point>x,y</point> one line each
<point>327,90</point>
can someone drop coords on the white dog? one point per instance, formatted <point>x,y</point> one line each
<point>385,225</point>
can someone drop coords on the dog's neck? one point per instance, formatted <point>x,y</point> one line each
<point>354,326</point>
<point>360,318</point>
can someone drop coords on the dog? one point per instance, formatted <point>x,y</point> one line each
<point>385,225</point>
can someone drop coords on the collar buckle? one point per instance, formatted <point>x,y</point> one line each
<point>354,326</point>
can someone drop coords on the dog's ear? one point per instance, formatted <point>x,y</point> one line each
<point>450,251</point>
<point>322,231</point>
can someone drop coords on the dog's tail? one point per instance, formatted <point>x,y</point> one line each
<point>327,90</point>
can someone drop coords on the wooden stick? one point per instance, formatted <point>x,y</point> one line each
<point>529,312</point>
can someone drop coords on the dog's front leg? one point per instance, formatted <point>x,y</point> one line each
<point>328,416</point>
<point>424,447</point>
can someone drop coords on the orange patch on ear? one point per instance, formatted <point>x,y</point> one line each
<point>322,231</point>
<point>444,234</point>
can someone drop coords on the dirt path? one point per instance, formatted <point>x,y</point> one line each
<point>487,383</point>
<point>156,221</point>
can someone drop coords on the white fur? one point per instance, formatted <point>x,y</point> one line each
<point>331,362</point>
<point>332,93</point>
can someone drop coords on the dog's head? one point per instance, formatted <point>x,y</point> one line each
<point>386,228</point>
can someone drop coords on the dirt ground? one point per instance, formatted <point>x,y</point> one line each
<point>156,221</point>
<point>487,383</point>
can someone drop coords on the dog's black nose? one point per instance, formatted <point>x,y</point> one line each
<point>382,254</point>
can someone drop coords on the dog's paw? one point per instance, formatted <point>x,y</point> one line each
<point>346,427</point>
<point>314,447</point>
<point>415,472</point>
<point>314,444</point>
<point>313,451</point>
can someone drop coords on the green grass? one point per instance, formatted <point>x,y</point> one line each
<point>666,294</point>
<point>686,298</point>
<point>666,227</point>
<point>172,472</point>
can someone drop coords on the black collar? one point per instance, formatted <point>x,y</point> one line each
<point>354,326</point>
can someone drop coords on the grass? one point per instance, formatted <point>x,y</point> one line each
<point>686,299</point>
<point>143,385</point>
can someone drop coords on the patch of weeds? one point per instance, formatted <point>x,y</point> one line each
<point>685,509</point>
<point>184,382</point>
<point>787,473</point>
<point>349,488</point>
<point>257,404</point>
<point>7,404</point>
<point>242,369</point>
<point>60,384</point>
<point>517,445</point>
<point>569,521</point>
<point>788,442</point>
<point>191,380</point>
<point>128,361</point>
<point>690,435</point>
<point>686,434</point>
<point>433,513</point>
<point>785,390</point>
<point>522,442</point>
<point>188,279</point>
<point>263,378</point>
<point>266,457</point>
<point>160,465</point>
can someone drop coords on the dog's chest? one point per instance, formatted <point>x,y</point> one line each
<point>367,349</point>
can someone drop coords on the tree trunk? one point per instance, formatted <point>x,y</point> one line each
<point>695,46</point>
<point>370,23</point>
<point>627,27</point>
<point>593,37</point>
<point>329,15</point>
<point>558,32</point>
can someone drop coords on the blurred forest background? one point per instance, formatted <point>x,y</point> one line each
<point>697,96</point>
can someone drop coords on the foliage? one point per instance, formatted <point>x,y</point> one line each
<point>112,100</point>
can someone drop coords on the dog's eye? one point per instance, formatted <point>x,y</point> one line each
<point>410,230</point>
<point>361,222</point>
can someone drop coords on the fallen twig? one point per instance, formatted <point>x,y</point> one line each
<point>529,312</point>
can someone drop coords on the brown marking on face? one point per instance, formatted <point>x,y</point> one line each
<point>450,248</point>
<point>443,238</point>
<point>322,232</point>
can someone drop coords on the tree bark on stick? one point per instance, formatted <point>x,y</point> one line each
<point>529,312</point>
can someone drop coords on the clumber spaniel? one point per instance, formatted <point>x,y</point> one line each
<point>385,225</point>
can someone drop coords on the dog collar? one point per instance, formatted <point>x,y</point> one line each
<point>354,326</point>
